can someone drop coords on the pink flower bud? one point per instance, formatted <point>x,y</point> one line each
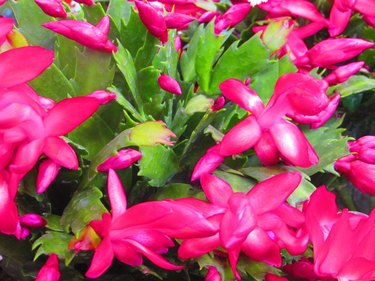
<point>212,274</point>
<point>232,17</point>
<point>94,37</point>
<point>169,84</point>
<point>218,103</point>
<point>273,277</point>
<point>153,20</point>
<point>47,172</point>
<point>343,73</point>
<point>178,21</point>
<point>103,96</point>
<point>50,270</point>
<point>207,17</point>
<point>53,8</point>
<point>32,220</point>
<point>124,159</point>
<point>24,233</point>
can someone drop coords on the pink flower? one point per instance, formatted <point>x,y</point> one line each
<point>178,21</point>
<point>153,20</point>
<point>232,17</point>
<point>212,274</point>
<point>343,73</point>
<point>142,230</point>
<point>124,159</point>
<point>266,130</point>
<point>359,167</point>
<point>86,2</point>
<point>341,241</point>
<point>53,8</point>
<point>94,37</point>
<point>273,277</point>
<point>103,96</point>
<point>169,84</point>
<point>208,162</point>
<point>332,51</point>
<point>255,223</point>
<point>50,270</point>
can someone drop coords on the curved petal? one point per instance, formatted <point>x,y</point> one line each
<point>61,153</point>
<point>102,259</point>
<point>68,114</point>
<point>26,156</point>
<point>293,145</point>
<point>21,65</point>
<point>47,172</point>
<point>266,150</point>
<point>196,247</point>
<point>217,190</point>
<point>126,253</point>
<point>208,162</point>
<point>241,137</point>
<point>271,193</point>
<point>259,246</point>
<point>8,209</point>
<point>116,194</point>
<point>155,258</point>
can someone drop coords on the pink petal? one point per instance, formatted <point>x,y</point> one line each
<point>26,156</point>
<point>50,270</point>
<point>21,65</point>
<point>124,159</point>
<point>208,162</point>
<point>53,8</point>
<point>47,172</point>
<point>126,253</point>
<point>266,150</point>
<point>116,194</point>
<point>280,186</point>
<point>61,153</point>
<point>241,137</point>
<point>68,114</point>
<point>155,258</point>
<point>293,145</point>
<point>8,209</point>
<point>259,246</point>
<point>102,259</point>
<point>196,247</point>
<point>240,94</point>
<point>169,84</point>
<point>6,25</point>
<point>217,190</point>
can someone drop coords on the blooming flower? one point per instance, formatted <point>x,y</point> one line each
<point>53,8</point>
<point>91,36</point>
<point>359,167</point>
<point>341,241</point>
<point>246,223</point>
<point>144,229</point>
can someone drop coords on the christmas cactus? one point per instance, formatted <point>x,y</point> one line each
<point>187,140</point>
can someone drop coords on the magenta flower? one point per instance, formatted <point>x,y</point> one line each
<point>341,241</point>
<point>53,8</point>
<point>142,230</point>
<point>169,84</point>
<point>343,73</point>
<point>124,159</point>
<point>359,167</point>
<point>212,274</point>
<point>255,223</point>
<point>332,51</point>
<point>91,36</point>
<point>232,17</point>
<point>178,21</point>
<point>50,270</point>
<point>153,20</point>
<point>265,129</point>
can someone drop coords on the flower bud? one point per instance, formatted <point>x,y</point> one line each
<point>212,274</point>
<point>32,220</point>
<point>103,96</point>
<point>343,73</point>
<point>53,8</point>
<point>169,84</point>
<point>50,270</point>
<point>124,159</point>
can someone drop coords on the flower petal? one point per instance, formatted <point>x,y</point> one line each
<point>116,194</point>
<point>101,260</point>
<point>217,190</point>
<point>61,153</point>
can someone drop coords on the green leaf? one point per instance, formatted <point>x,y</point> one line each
<point>158,164</point>
<point>53,222</point>
<point>236,181</point>
<point>178,190</point>
<point>29,18</point>
<point>198,103</point>
<point>94,71</point>
<point>152,96</point>
<point>167,58</point>
<point>187,60</point>
<point>209,47</point>
<point>84,207</point>
<point>133,33</point>
<point>147,52</point>
<point>274,37</point>
<point>126,65</point>
<point>65,58</point>
<point>93,135</point>
<point>53,84</point>
<point>94,13</point>
<point>119,10</point>
<point>328,143</point>
<point>240,62</point>
<point>355,84</point>
<point>53,243</point>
